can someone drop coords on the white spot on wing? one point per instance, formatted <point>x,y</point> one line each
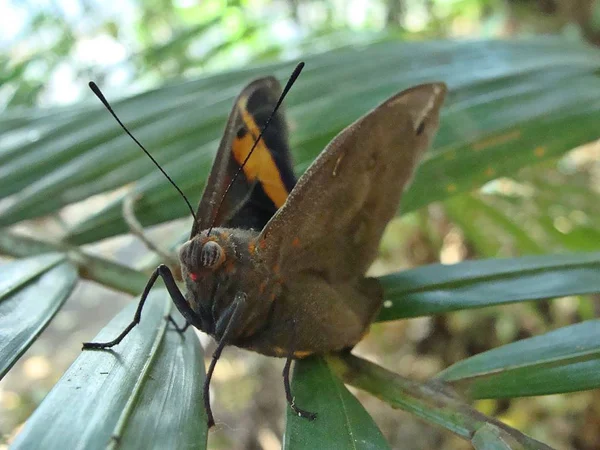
<point>428,107</point>
<point>337,164</point>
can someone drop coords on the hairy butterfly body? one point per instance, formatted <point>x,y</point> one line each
<point>307,264</point>
<point>278,266</point>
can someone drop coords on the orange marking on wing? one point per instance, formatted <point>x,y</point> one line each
<point>261,164</point>
<point>497,140</point>
<point>230,266</point>
<point>251,247</point>
<point>279,351</point>
<point>261,287</point>
<point>296,242</point>
<point>262,243</point>
<point>302,353</point>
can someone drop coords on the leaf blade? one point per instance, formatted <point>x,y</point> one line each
<point>439,288</point>
<point>99,393</point>
<point>528,88</point>
<point>563,360</point>
<point>341,420</point>
<point>31,292</point>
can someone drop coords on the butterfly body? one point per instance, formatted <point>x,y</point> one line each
<point>301,277</point>
<point>275,302</point>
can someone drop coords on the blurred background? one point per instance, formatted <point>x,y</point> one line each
<point>49,50</point>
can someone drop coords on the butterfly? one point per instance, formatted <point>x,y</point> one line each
<point>276,264</point>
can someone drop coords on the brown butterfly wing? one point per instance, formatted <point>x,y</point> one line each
<point>334,218</point>
<point>266,180</point>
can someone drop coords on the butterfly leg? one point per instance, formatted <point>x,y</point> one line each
<point>178,328</point>
<point>286,382</point>
<point>178,298</point>
<point>136,228</point>
<point>224,328</point>
<point>288,393</point>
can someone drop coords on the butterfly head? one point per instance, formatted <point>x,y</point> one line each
<point>216,268</point>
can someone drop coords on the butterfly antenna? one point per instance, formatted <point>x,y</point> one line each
<point>286,89</point>
<point>96,90</point>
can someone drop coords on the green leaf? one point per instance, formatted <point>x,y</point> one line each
<point>432,401</point>
<point>128,393</point>
<point>517,103</point>
<point>171,399</point>
<point>341,420</point>
<point>459,162</point>
<point>564,360</point>
<point>439,288</point>
<point>490,437</point>
<point>31,293</point>
<point>104,271</point>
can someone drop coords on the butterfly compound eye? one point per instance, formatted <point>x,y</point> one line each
<point>212,255</point>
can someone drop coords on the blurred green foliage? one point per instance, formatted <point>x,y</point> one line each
<point>55,46</point>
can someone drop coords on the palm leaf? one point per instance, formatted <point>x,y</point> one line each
<point>510,106</point>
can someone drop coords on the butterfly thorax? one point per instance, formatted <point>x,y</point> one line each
<point>217,268</point>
